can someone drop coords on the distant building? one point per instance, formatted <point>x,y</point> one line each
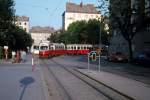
<point>75,12</point>
<point>23,22</point>
<point>40,34</point>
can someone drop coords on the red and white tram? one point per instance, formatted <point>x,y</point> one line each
<point>54,49</point>
<point>44,50</point>
<point>78,49</point>
<point>51,49</point>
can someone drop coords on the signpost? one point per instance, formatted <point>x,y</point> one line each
<point>93,55</point>
<point>6,52</point>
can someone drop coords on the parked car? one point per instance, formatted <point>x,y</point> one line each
<point>142,59</point>
<point>118,57</point>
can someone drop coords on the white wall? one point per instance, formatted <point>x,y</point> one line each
<point>72,17</point>
<point>24,25</point>
<point>38,37</point>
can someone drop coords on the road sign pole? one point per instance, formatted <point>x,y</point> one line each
<point>99,63</point>
<point>6,56</point>
<point>33,66</point>
<point>88,62</point>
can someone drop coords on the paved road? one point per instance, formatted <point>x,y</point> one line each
<point>63,85</point>
<point>138,73</point>
<point>18,82</point>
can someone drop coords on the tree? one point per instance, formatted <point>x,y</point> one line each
<point>77,32</point>
<point>127,19</point>
<point>10,34</point>
<point>81,32</point>
<point>6,20</point>
<point>22,40</point>
<point>93,29</point>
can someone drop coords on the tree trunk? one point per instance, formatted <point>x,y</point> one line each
<point>130,50</point>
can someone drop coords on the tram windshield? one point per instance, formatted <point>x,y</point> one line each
<point>43,48</point>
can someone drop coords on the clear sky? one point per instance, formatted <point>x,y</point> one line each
<point>45,12</point>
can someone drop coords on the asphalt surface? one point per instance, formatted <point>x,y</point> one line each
<point>29,85</point>
<point>135,72</point>
<point>72,87</point>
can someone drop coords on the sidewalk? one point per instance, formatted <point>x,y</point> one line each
<point>19,82</point>
<point>129,87</point>
<point>5,61</point>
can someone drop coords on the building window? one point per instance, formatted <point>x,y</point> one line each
<point>25,23</point>
<point>148,28</point>
<point>20,23</point>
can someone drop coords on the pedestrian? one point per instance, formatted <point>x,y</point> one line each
<point>18,56</point>
<point>23,56</point>
<point>13,56</point>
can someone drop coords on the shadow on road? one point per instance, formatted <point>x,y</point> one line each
<point>24,83</point>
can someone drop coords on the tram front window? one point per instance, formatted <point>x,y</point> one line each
<point>43,48</point>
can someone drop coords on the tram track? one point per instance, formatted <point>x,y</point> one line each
<point>62,91</point>
<point>107,92</point>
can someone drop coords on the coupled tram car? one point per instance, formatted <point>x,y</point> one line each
<point>54,49</point>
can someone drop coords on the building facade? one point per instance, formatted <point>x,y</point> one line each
<point>141,40</point>
<point>40,34</point>
<point>23,22</point>
<point>75,12</point>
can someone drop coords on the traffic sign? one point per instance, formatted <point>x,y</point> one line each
<point>6,47</point>
<point>94,55</point>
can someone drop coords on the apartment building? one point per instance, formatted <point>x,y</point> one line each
<point>141,41</point>
<point>40,34</point>
<point>76,12</point>
<point>23,22</point>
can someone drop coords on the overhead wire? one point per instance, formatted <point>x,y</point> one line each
<point>52,12</point>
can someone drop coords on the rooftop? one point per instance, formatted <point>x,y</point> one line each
<point>39,29</point>
<point>22,18</point>
<point>80,8</point>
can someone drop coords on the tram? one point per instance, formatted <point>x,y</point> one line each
<point>78,49</point>
<point>55,49</point>
<point>51,49</point>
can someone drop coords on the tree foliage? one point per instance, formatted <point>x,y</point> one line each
<point>82,32</point>
<point>10,34</point>
<point>6,19</point>
<point>22,40</point>
<point>6,14</point>
<point>127,19</point>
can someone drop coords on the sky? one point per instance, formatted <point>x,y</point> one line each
<point>45,12</point>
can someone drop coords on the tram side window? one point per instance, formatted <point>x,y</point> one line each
<point>52,48</point>
<point>71,48</point>
<point>78,48</point>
